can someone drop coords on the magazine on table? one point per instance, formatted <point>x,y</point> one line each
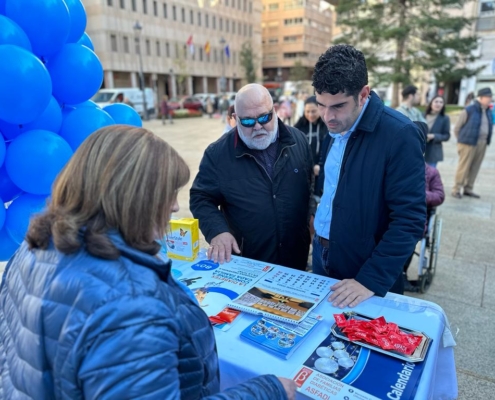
<point>215,285</point>
<point>277,337</point>
<point>285,295</point>
<point>342,370</point>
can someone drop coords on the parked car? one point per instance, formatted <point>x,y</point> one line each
<point>131,96</point>
<point>204,96</point>
<point>189,102</point>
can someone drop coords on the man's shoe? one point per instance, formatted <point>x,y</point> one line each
<point>457,195</point>
<point>473,195</point>
<point>409,287</point>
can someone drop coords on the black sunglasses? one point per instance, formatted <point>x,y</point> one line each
<point>262,120</point>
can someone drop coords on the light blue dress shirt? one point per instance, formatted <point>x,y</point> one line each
<point>333,163</point>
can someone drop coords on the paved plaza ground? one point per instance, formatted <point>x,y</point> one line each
<point>465,281</point>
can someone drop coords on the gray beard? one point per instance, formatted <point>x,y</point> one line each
<point>257,145</point>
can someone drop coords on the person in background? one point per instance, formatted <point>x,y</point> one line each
<point>469,99</point>
<point>438,130</point>
<point>253,193</point>
<point>285,110</point>
<point>473,131</point>
<point>231,120</point>
<point>209,106</point>
<point>372,211</point>
<point>410,99</point>
<point>122,99</point>
<point>165,110</point>
<point>224,107</point>
<point>314,129</point>
<point>435,196</point>
<point>87,310</point>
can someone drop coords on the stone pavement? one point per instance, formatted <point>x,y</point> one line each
<point>464,284</point>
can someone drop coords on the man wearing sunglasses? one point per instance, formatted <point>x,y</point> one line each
<point>253,191</point>
<point>372,211</point>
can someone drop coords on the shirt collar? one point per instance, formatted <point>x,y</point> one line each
<point>354,126</point>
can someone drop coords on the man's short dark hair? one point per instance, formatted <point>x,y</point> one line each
<point>342,68</point>
<point>408,90</point>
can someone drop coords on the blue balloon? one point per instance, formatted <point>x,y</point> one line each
<point>77,20</point>
<point>49,120</point>
<point>35,158</point>
<point>8,190</point>
<point>87,103</point>
<point>7,246</point>
<point>124,114</point>
<point>46,23</point>
<point>10,131</point>
<point>2,7</point>
<point>11,33</point>
<point>76,74</point>
<point>85,40</point>
<point>25,85</point>
<point>2,213</point>
<point>19,213</point>
<point>2,150</point>
<point>82,122</point>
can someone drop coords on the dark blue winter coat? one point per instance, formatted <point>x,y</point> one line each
<point>470,131</point>
<point>379,209</point>
<point>79,327</point>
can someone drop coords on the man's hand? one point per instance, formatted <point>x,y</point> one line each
<point>221,247</point>
<point>430,137</point>
<point>348,292</point>
<point>316,170</point>
<point>289,387</point>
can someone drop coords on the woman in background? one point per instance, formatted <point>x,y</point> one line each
<point>87,309</point>
<point>231,120</point>
<point>314,128</point>
<point>438,130</point>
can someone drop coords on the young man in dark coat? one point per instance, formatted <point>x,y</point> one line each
<point>253,191</point>
<point>372,211</point>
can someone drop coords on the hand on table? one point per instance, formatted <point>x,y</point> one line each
<point>289,386</point>
<point>348,292</point>
<point>221,247</point>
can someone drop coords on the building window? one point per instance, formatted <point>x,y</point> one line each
<point>250,7</point>
<point>200,54</point>
<point>233,26</point>
<point>214,22</point>
<point>145,6</point>
<point>220,23</point>
<point>113,42</point>
<point>300,54</point>
<point>234,54</point>
<point>244,2</point>
<point>199,18</point>
<point>158,52</point>
<point>293,21</point>
<point>207,21</point>
<point>177,51</point>
<point>133,5</point>
<point>272,40</point>
<point>226,3</point>
<point>126,44</point>
<point>184,53</point>
<point>250,30</point>
<point>191,17</point>
<point>487,7</point>
<point>239,4</point>
<point>245,30</point>
<point>167,49</point>
<point>183,14</point>
<point>165,10</point>
<point>292,39</point>
<point>148,47</point>
<point>273,7</point>
<point>110,3</point>
<point>122,4</point>
<point>227,25</point>
<point>215,58</point>
<point>174,13</point>
<point>293,4</point>
<point>137,45</point>
<point>155,9</point>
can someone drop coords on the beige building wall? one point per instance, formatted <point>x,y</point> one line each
<point>168,64</point>
<point>294,30</point>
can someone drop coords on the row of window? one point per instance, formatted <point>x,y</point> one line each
<point>215,55</point>
<point>297,21</point>
<point>241,5</point>
<point>286,39</point>
<point>289,56</point>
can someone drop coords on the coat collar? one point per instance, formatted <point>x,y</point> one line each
<point>372,114</point>
<point>285,139</point>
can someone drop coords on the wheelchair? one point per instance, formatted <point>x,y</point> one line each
<point>427,252</point>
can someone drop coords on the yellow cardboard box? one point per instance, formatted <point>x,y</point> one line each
<point>183,239</point>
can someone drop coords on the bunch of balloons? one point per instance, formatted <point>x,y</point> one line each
<point>48,73</point>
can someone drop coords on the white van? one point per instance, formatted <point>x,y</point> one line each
<point>105,97</point>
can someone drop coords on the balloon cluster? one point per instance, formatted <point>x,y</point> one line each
<point>48,73</point>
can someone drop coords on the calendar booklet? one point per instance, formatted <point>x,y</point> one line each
<point>284,295</point>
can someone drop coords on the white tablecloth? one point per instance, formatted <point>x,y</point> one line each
<point>240,361</point>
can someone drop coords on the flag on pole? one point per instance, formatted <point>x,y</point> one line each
<point>207,48</point>
<point>190,44</point>
<point>227,51</point>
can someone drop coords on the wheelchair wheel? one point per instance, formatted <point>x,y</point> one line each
<point>431,262</point>
<point>426,278</point>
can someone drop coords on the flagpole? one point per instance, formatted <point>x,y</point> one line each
<point>222,79</point>
<point>137,29</point>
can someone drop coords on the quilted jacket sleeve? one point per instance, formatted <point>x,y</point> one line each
<point>129,350</point>
<point>205,198</point>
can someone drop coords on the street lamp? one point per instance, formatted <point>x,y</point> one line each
<point>222,79</point>
<point>137,30</point>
